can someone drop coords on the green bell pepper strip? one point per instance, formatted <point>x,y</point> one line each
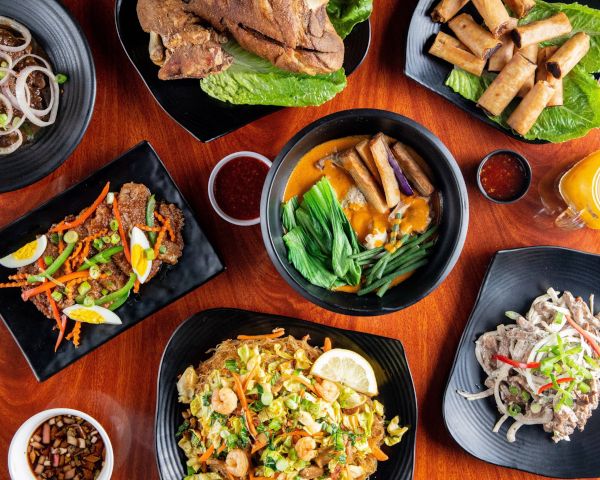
<point>118,302</point>
<point>111,297</point>
<point>150,218</point>
<point>53,268</point>
<point>102,257</point>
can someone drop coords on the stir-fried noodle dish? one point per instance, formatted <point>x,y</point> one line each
<point>543,369</point>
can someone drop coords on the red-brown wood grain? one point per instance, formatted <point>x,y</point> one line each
<point>116,383</point>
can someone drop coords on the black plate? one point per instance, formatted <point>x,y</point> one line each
<point>448,180</point>
<point>432,72</point>
<point>191,341</point>
<point>59,34</point>
<point>204,117</point>
<point>199,263</point>
<point>513,280</point>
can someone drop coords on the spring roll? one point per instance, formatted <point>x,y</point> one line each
<point>530,53</point>
<point>365,182</point>
<point>412,170</point>
<point>451,50</point>
<point>503,55</point>
<point>494,15</point>
<point>569,55</point>
<point>542,74</point>
<point>380,151</point>
<point>367,157</point>
<point>447,9</point>
<point>476,38</point>
<point>542,30</point>
<point>520,7</point>
<point>506,85</point>
<point>531,107</point>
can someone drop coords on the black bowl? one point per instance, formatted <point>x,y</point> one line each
<point>447,178</point>
<point>59,34</point>
<point>513,279</point>
<point>190,344</point>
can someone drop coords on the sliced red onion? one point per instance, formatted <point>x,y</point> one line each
<point>10,95</point>
<point>21,92</point>
<point>405,187</point>
<point>14,126</point>
<point>13,146</point>
<point>37,112</point>
<point>7,73</point>
<point>31,55</point>
<point>8,107</point>
<point>22,29</point>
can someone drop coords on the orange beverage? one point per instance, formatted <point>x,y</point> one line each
<point>579,188</point>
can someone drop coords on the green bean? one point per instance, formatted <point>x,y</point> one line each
<point>382,291</point>
<point>102,257</point>
<point>415,252</point>
<point>380,283</point>
<point>150,218</point>
<point>53,268</point>
<point>119,293</point>
<point>367,254</point>
<point>118,302</point>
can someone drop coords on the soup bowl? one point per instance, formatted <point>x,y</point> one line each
<point>447,178</point>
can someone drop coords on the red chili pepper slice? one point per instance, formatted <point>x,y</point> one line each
<point>514,363</point>
<point>548,386</point>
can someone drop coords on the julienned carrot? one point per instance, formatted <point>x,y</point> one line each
<point>250,422</point>
<point>146,228</point>
<point>378,453</point>
<point>229,475</point>
<point>75,334</point>
<point>249,376</point>
<point>61,323</point>
<point>239,389</point>
<point>85,214</point>
<point>14,284</point>
<point>278,332</point>
<point>221,448</point>
<point>160,238</point>
<point>136,286</point>
<point>44,287</point>
<point>261,442</point>
<point>327,344</point>
<point>167,223</point>
<point>303,433</point>
<point>121,230</point>
<point>584,334</point>
<point>206,455</point>
<point>18,276</point>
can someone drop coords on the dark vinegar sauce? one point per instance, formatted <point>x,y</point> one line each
<point>238,187</point>
<point>503,177</point>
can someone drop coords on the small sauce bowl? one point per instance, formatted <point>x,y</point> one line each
<point>213,183</point>
<point>504,176</point>
<point>18,463</point>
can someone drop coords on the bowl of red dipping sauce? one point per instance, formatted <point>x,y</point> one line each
<point>235,187</point>
<point>504,176</point>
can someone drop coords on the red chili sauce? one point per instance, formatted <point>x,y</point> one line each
<point>503,177</point>
<point>238,187</point>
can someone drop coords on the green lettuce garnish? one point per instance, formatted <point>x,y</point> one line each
<point>581,110</point>
<point>252,80</point>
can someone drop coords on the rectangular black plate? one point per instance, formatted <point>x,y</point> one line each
<point>199,263</point>
<point>205,117</point>
<point>190,343</point>
<point>432,72</point>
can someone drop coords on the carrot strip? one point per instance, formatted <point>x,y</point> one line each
<point>146,228</point>
<point>13,284</point>
<point>61,245</point>
<point>62,323</point>
<point>85,215</point>
<point>206,455</point>
<point>160,238</point>
<point>136,286</point>
<point>166,221</point>
<point>121,231</point>
<point>584,334</point>
<point>327,344</point>
<point>278,332</point>
<point>44,287</point>
<point>75,334</point>
<point>249,377</point>
<point>378,453</point>
<point>239,390</point>
<point>229,475</point>
<point>250,422</point>
<point>221,448</point>
<point>18,276</point>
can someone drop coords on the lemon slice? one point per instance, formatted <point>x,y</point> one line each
<point>348,368</point>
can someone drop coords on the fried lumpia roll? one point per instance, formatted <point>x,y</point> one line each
<point>542,74</point>
<point>530,53</point>
<point>365,182</point>
<point>542,30</point>
<point>476,38</point>
<point>506,85</point>
<point>503,55</point>
<point>520,7</point>
<point>452,50</point>
<point>531,107</point>
<point>447,9</point>
<point>569,55</point>
<point>494,15</point>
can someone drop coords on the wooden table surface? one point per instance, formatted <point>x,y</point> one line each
<point>117,383</point>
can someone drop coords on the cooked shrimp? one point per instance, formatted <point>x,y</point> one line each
<point>237,463</point>
<point>327,390</point>
<point>306,448</point>
<point>224,401</point>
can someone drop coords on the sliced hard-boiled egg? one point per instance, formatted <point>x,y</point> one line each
<point>27,254</point>
<point>95,315</point>
<point>139,246</point>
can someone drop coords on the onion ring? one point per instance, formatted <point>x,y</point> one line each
<point>13,146</point>
<point>7,73</point>
<point>32,55</point>
<point>22,29</point>
<point>21,89</point>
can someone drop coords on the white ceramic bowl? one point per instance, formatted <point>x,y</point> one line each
<point>18,464</point>
<point>211,186</point>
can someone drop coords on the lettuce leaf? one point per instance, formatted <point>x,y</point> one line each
<point>252,80</point>
<point>346,14</point>
<point>581,110</point>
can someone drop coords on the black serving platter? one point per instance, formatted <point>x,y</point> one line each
<point>33,332</point>
<point>190,343</point>
<point>513,280</point>
<point>59,34</point>
<point>204,117</point>
<point>432,72</point>
<point>447,178</point>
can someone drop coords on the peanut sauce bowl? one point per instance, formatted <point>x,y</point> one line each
<point>18,464</point>
<point>452,222</point>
